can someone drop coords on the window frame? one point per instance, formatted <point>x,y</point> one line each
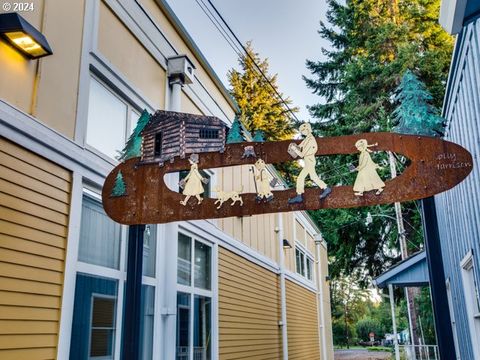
<point>306,257</point>
<point>472,298</point>
<point>130,109</point>
<point>115,328</point>
<point>192,291</point>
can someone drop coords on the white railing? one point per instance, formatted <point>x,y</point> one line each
<point>199,353</point>
<point>419,352</point>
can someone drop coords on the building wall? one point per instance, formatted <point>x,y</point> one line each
<point>302,323</point>
<point>458,209</point>
<point>47,88</point>
<point>249,309</point>
<point>34,215</point>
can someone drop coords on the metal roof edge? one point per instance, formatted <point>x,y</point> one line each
<point>401,266</point>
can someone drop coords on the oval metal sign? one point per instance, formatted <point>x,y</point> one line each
<point>135,191</point>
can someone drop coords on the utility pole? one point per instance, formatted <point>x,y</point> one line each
<point>403,250</point>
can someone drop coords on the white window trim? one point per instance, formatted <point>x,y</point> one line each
<point>467,264</point>
<point>306,255</point>
<point>192,290</point>
<point>115,327</point>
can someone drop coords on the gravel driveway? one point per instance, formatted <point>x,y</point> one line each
<point>356,354</point>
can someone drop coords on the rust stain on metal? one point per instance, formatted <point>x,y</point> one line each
<point>436,166</point>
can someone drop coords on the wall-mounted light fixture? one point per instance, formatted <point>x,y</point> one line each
<point>286,244</point>
<point>23,36</point>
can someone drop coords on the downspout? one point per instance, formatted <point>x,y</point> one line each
<point>321,310</point>
<point>283,297</point>
<point>169,310</point>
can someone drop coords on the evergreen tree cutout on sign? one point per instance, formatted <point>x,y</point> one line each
<point>259,136</point>
<point>133,147</point>
<point>119,188</point>
<point>235,132</point>
<point>415,114</point>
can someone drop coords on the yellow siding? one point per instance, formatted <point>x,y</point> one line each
<point>34,209</point>
<point>302,323</point>
<point>58,75</point>
<point>257,231</point>
<point>130,57</point>
<point>249,310</point>
<point>188,106</point>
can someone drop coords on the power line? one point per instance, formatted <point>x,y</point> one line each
<point>258,69</point>
<point>218,26</point>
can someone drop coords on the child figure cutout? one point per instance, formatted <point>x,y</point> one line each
<point>367,178</point>
<point>193,182</point>
<point>263,183</point>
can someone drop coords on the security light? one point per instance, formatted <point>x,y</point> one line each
<point>23,36</point>
<point>286,244</point>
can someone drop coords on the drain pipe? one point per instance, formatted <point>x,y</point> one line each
<point>321,310</point>
<point>283,298</point>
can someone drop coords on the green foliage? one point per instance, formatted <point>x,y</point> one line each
<point>259,136</point>
<point>119,188</point>
<point>260,108</point>
<point>133,147</point>
<point>415,114</point>
<point>367,325</point>
<point>235,132</point>
<point>372,44</point>
<point>425,314</point>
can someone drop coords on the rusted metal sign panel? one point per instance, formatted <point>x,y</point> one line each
<point>436,166</point>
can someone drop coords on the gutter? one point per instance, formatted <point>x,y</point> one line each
<point>283,297</point>
<point>321,310</point>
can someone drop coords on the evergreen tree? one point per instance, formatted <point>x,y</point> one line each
<point>415,114</point>
<point>119,188</point>
<point>260,108</point>
<point>372,44</point>
<point>259,136</point>
<point>133,147</point>
<point>235,132</point>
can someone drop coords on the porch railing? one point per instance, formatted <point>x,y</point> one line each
<point>419,352</point>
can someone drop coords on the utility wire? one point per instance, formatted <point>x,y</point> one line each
<point>206,10</point>
<point>258,69</point>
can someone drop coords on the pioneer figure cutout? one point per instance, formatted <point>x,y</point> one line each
<point>306,150</point>
<point>367,177</point>
<point>262,182</point>
<point>193,182</point>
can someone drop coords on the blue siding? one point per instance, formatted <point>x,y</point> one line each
<point>458,210</point>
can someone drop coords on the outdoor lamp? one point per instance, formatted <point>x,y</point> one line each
<point>23,36</point>
<point>286,244</point>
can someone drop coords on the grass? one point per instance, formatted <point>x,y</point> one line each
<point>379,348</point>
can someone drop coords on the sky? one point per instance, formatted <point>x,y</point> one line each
<point>284,31</point>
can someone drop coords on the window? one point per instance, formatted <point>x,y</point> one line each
<point>303,264</point>
<point>108,114</point>
<point>472,300</point>
<point>100,237</point>
<point>102,327</point>
<point>149,250</point>
<point>94,313</point>
<point>158,144</point>
<point>147,322</point>
<point>194,299</point>
<point>209,133</point>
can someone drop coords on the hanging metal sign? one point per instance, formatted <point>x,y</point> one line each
<point>135,191</point>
